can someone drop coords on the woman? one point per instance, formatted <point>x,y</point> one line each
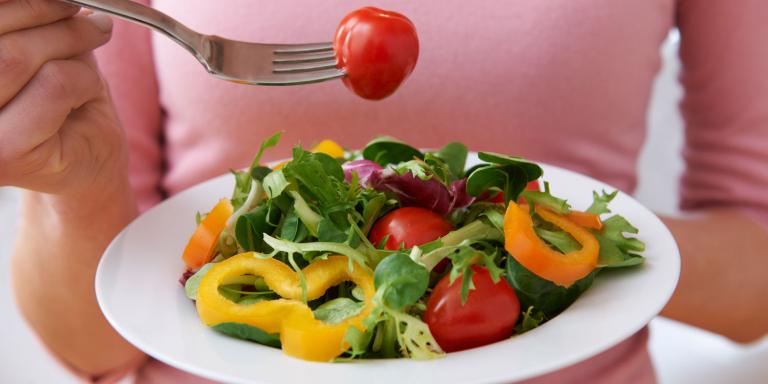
<point>560,81</point>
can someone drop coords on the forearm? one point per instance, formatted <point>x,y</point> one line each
<point>58,247</point>
<point>723,278</point>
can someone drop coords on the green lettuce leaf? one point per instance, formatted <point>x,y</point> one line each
<point>616,249</point>
<point>248,332</point>
<point>387,150</point>
<point>600,202</point>
<point>455,156</point>
<point>337,310</point>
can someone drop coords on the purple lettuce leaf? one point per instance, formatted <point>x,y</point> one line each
<point>410,190</point>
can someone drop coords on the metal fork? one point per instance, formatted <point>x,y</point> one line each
<point>238,61</point>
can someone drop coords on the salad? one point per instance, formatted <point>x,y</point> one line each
<point>395,252</point>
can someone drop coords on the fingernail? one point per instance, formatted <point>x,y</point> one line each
<point>101,21</point>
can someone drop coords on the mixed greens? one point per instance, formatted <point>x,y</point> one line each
<point>331,255</point>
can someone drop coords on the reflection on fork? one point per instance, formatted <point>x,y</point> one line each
<point>238,61</point>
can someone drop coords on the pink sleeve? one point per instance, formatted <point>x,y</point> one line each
<point>127,63</point>
<point>725,74</point>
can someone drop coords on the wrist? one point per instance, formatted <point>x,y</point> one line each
<point>106,205</point>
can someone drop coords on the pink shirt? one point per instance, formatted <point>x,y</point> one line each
<point>561,81</point>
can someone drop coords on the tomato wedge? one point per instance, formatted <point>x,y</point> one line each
<point>201,245</point>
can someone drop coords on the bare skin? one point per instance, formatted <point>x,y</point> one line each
<point>62,143</point>
<point>723,274</point>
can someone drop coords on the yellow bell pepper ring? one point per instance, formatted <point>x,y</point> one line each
<point>522,243</point>
<point>330,148</point>
<point>301,335</point>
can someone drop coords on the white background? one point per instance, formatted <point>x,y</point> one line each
<point>681,354</point>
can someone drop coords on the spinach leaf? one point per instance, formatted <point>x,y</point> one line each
<point>248,332</point>
<point>387,150</point>
<point>532,170</point>
<point>542,294</point>
<point>402,281</point>
<point>259,173</point>
<point>510,179</point>
<point>506,173</point>
<point>337,310</point>
<point>190,287</point>
<point>330,165</point>
<point>250,227</point>
<point>455,156</point>
<point>293,229</point>
<point>327,231</point>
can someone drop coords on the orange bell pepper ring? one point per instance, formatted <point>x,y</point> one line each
<point>201,245</point>
<point>522,243</point>
<point>301,335</point>
<point>585,219</point>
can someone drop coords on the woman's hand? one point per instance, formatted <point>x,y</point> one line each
<point>61,140</point>
<point>58,130</point>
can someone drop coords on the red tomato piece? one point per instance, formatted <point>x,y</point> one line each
<point>489,314</point>
<point>378,49</point>
<point>408,227</point>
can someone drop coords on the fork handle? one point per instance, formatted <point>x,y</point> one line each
<point>148,17</point>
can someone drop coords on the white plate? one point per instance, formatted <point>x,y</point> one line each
<point>138,290</point>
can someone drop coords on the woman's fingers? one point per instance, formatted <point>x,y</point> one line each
<point>23,14</point>
<point>37,113</point>
<point>23,53</point>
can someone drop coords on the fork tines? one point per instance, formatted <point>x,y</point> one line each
<point>303,58</point>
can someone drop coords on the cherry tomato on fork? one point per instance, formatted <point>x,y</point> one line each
<point>408,227</point>
<point>378,49</point>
